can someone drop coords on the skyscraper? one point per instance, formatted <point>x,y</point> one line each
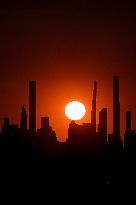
<point>32,106</point>
<point>44,123</point>
<point>102,128</point>
<point>128,120</point>
<point>23,121</point>
<point>116,107</point>
<point>93,113</point>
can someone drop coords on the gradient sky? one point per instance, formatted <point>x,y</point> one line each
<point>65,47</point>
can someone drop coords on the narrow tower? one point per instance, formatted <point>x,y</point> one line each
<point>93,113</point>
<point>102,128</point>
<point>32,106</point>
<point>116,107</point>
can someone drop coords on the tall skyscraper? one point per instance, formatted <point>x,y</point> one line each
<point>93,112</point>
<point>23,121</point>
<point>32,106</point>
<point>102,128</point>
<point>128,120</point>
<point>116,107</point>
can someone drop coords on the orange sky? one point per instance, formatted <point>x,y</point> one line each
<point>65,47</point>
<point>52,98</point>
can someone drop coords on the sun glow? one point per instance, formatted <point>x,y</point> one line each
<point>75,110</point>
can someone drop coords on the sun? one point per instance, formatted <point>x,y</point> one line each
<point>75,110</point>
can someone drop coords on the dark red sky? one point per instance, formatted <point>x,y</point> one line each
<point>65,47</point>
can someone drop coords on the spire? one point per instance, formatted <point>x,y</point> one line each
<point>23,109</point>
<point>23,121</point>
<point>93,113</point>
<point>32,106</point>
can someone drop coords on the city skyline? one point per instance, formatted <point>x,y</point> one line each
<point>83,140</point>
<point>65,47</point>
<point>31,118</point>
<point>53,53</point>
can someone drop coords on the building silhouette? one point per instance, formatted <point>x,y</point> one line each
<point>114,139</point>
<point>102,126</point>
<point>116,108</point>
<point>93,112</point>
<point>83,138</point>
<point>46,134</point>
<point>129,137</point>
<point>46,140</point>
<point>128,120</point>
<point>44,123</point>
<point>84,141</point>
<point>23,120</point>
<point>32,106</point>
<point>5,128</point>
<point>130,143</point>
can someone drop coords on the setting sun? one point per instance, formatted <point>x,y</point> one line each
<point>75,110</point>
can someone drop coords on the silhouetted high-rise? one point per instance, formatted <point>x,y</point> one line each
<point>23,121</point>
<point>32,106</point>
<point>5,128</point>
<point>93,112</point>
<point>102,128</point>
<point>46,135</point>
<point>128,120</point>
<point>116,107</point>
<point>44,123</point>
